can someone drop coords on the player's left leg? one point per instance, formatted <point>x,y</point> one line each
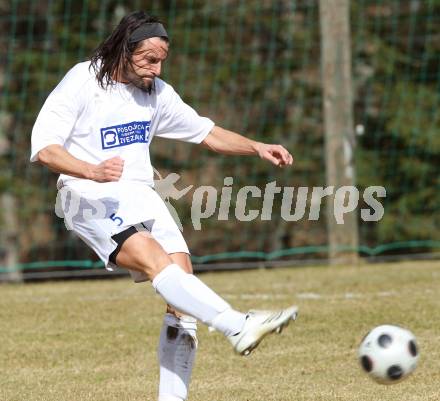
<point>177,347</point>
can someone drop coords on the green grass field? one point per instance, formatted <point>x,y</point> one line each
<point>96,340</point>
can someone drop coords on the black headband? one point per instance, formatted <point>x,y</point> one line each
<point>148,30</point>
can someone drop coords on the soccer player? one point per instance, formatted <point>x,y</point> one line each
<point>95,130</point>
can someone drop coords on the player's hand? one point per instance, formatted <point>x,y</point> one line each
<point>276,154</point>
<point>108,170</point>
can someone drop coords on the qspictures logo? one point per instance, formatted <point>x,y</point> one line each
<point>234,203</point>
<point>297,203</point>
<point>125,134</point>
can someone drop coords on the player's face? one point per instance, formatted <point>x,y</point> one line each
<point>146,63</point>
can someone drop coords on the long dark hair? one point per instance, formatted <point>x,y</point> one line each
<point>111,57</point>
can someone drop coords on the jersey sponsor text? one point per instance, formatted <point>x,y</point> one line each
<point>125,134</point>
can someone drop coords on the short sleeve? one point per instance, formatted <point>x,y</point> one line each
<point>177,120</point>
<point>58,114</point>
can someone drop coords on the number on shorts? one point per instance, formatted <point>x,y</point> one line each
<point>116,219</point>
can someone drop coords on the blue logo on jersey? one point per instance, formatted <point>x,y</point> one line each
<point>125,134</point>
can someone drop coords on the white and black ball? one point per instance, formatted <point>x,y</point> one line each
<point>388,354</point>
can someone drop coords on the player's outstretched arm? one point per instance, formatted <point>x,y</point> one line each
<point>227,142</point>
<point>59,160</point>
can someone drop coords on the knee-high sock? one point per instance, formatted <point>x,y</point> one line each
<point>188,294</point>
<point>176,353</point>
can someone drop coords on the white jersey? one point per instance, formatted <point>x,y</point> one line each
<point>94,124</point>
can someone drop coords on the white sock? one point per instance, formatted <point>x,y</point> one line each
<point>176,353</point>
<point>229,322</point>
<point>168,397</point>
<point>188,294</point>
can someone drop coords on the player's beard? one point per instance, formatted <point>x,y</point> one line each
<point>138,81</point>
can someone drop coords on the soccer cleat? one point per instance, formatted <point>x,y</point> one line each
<point>258,325</point>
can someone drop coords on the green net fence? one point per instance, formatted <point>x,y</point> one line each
<point>253,67</point>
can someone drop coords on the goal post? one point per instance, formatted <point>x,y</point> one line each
<point>336,72</point>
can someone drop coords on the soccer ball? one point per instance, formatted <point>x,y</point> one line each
<point>388,354</point>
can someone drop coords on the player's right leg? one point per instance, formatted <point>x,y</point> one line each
<point>183,291</point>
<point>186,293</point>
<point>119,240</point>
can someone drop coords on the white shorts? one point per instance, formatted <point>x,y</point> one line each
<point>97,211</point>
